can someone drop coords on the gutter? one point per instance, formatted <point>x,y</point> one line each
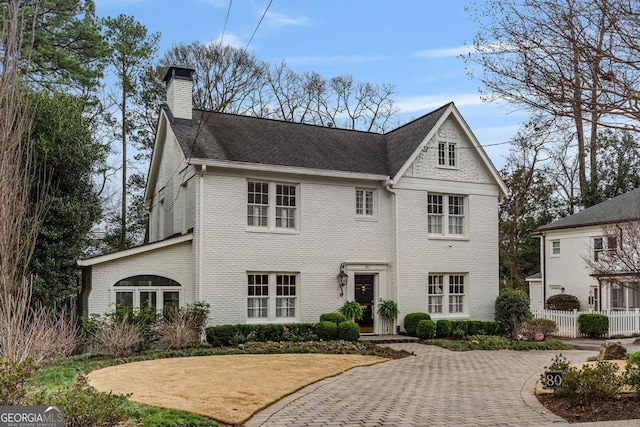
<point>543,242</point>
<point>388,185</point>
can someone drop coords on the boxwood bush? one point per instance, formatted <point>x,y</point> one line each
<point>426,329</point>
<point>226,335</point>
<point>327,330</point>
<point>411,321</point>
<point>336,318</point>
<point>349,331</point>
<point>593,324</point>
<point>563,302</point>
<point>443,328</point>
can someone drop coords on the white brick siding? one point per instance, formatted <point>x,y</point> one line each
<point>179,92</point>
<point>173,262</point>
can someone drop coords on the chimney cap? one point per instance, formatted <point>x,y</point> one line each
<point>183,73</point>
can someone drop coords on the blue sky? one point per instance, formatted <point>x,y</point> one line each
<point>412,44</point>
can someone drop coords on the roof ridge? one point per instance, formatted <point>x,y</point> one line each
<point>421,117</point>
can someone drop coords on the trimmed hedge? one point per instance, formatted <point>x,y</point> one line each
<point>411,321</point>
<point>426,329</point>
<point>593,324</point>
<point>564,302</point>
<point>336,318</point>
<point>229,335</point>
<point>443,328</point>
<point>327,330</point>
<point>349,331</point>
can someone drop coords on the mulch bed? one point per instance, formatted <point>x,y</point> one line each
<point>622,407</point>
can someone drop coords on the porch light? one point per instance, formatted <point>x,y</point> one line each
<point>342,279</point>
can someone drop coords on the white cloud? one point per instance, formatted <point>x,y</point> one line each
<point>335,60</point>
<point>220,4</point>
<point>277,19</point>
<point>232,40</point>
<point>445,53</point>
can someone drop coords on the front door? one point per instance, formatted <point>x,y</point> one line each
<point>364,297</point>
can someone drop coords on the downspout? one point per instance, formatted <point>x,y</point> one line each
<point>388,185</point>
<point>203,170</point>
<point>544,270</point>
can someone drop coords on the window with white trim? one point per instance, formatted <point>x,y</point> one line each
<point>272,205</point>
<point>602,245</point>
<point>147,292</point>
<point>365,202</point>
<point>446,294</point>
<point>272,296</point>
<point>447,154</point>
<point>451,224</point>
<point>555,247</point>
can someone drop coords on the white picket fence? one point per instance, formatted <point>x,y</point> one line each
<point>621,322</point>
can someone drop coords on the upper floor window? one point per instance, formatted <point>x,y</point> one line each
<point>555,247</point>
<point>449,221</point>
<point>604,244</point>
<point>272,205</point>
<point>447,154</point>
<point>365,200</point>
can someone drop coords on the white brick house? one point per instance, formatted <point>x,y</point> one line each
<point>258,217</point>
<point>568,242</point>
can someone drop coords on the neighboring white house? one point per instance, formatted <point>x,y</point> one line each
<point>258,217</point>
<point>566,243</point>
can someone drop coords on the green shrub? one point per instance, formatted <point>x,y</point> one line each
<point>349,331</point>
<point>512,309</point>
<point>85,406</point>
<point>327,330</point>
<point>564,302</point>
<point>632,377</point>
<point>14,377</point>
<point>351,310</point>
<point>593,324</point>
<point>590,383</point>
<point>476,327</point>
<point>336,318</point>
<point>411,321</point>
<point>232,335</point>
<point>443,328</point>
<point>459,328</point>
<point>426,329</point>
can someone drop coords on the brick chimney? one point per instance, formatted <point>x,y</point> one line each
<point>179,82</point>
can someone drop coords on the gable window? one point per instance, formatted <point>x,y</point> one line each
<point>446,294</point>
<point>451,224</point>
<point>602,245</point>
<point>555,247</point>
<point>271,296</point>
<point>147,292</point>
<point>365,202</point>
<point>447,154</point>
<point>272,205</point>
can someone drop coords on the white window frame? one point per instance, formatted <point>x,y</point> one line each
<point>447,154</point>
<point>366,203</point>
<point>159,290</point>
<point>443,294</point>
<point>280,304</point>
<point>281,213</point>
<point>447,216</point>
<point>602,244</point>
<point>555,249</point>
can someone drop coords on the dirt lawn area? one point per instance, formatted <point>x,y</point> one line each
<point>227,388</point>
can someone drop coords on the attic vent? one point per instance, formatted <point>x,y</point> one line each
<point>330,124</point>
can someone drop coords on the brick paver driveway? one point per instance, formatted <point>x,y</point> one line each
<point>436,387</point>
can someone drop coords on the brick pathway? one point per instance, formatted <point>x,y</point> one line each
<point>436,387</point>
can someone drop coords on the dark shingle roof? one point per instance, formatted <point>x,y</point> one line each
<point>221,136</point>
<point>625,207</point>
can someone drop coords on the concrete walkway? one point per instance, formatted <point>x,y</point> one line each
<point>437,387</point>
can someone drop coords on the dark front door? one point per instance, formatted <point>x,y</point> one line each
<point>364,296</point>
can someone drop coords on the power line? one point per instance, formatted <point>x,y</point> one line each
<point>258,26</point>
<point>225,22</point>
